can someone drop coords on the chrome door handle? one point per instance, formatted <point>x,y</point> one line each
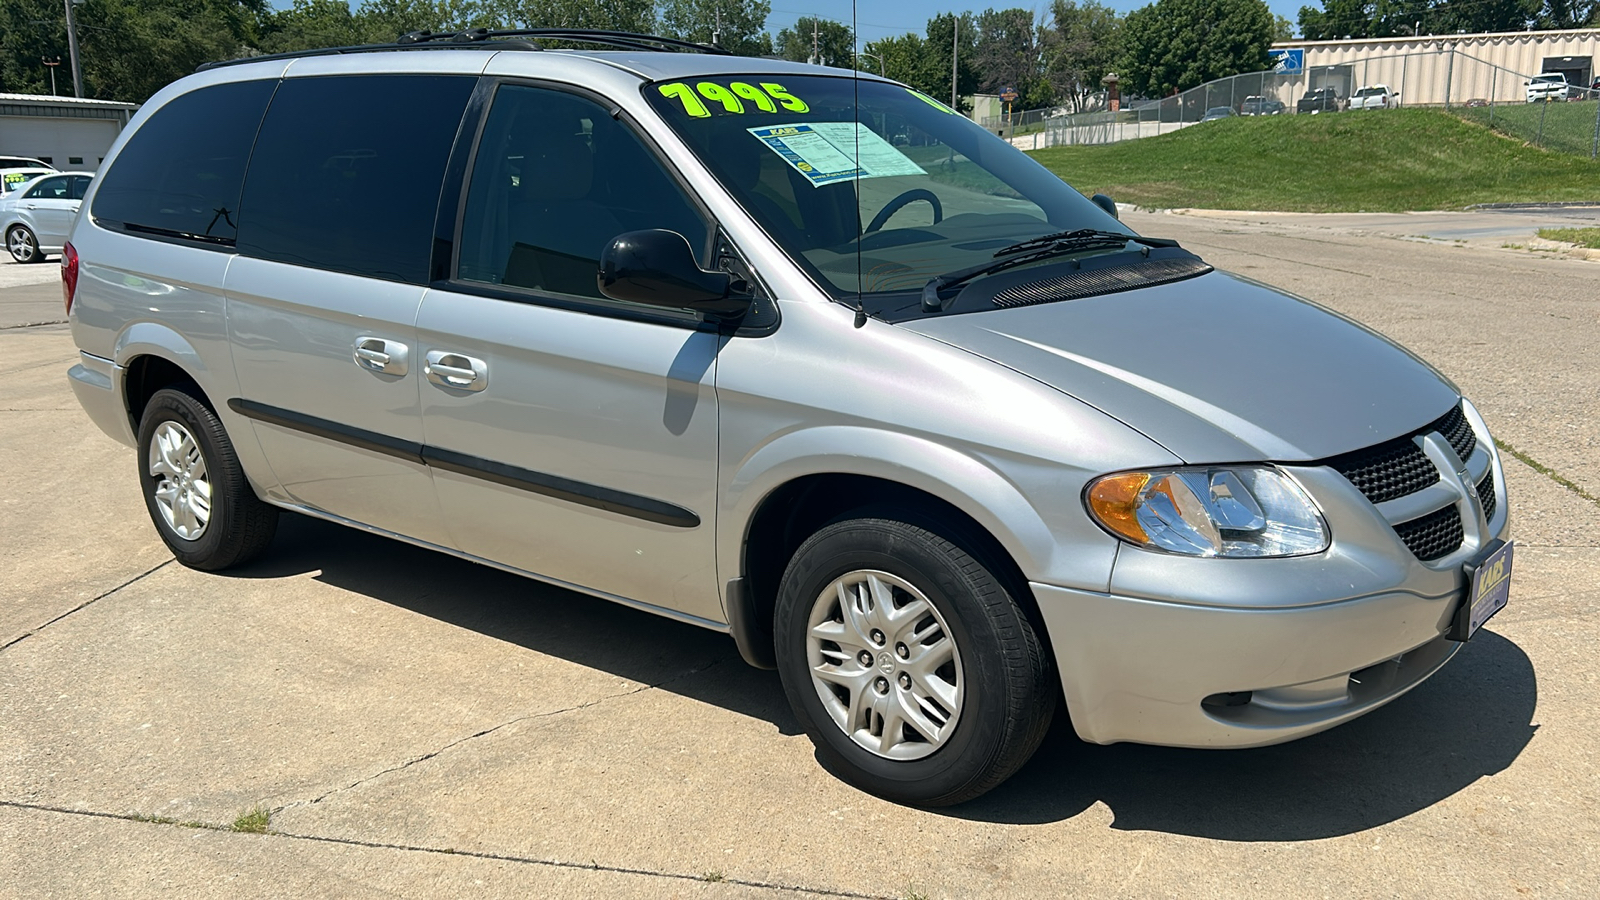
<point>456,370</point>
<point>378,355</point>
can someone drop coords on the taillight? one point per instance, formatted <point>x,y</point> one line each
<point>69,275</point>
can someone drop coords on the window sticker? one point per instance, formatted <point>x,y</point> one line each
<point>931,102</point>
<point>825,152</point>
<point>727,100</point>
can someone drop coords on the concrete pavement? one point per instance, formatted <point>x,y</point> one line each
<point>420,726</point>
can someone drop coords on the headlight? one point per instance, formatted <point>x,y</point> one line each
<point>1234,511</point>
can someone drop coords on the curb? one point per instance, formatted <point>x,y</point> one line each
<point>1553,205</point>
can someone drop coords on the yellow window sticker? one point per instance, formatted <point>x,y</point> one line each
<point>739,97</point>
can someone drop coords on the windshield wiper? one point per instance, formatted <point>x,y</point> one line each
<point>1031,251</point>
<point>1089,236</point>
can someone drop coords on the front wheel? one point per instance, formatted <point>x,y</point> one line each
<point>195,489</point>
<point>913,669</point>
<point>23,245</point>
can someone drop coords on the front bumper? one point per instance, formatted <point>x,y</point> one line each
<point>1139,670</point>
<point>1195,652</point>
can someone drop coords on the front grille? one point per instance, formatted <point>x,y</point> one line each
<point>1109,279</point>
<point>1486,496</point>
<point>1386,471</point>
<point>1457,431</point>
<point>1435,535</point>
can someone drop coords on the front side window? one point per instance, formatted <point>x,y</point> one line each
<point>873,188</point>
<point>347,173</point>
<point>180,173</point>
<point>555,179</point>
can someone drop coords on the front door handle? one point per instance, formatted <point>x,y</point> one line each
<point>378,355</point>
<point>456,371</point>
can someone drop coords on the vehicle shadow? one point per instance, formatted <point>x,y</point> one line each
<point>564,624</point>
<point>1470,720</point>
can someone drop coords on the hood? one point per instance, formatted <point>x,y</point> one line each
<point>1215,368</point>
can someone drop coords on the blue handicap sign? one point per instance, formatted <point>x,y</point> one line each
<point>1288,60</point>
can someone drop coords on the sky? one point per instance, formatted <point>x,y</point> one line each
<point>886,18</point>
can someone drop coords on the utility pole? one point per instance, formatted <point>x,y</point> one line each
<point>955,47</point>
<point>51,65</point>
<point>716,29</point>
<point>72,49</point>
<point>816,53</point>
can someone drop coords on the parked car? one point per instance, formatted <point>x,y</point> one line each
<point>1217,112</point>
<point>1261,106</point>
<point>1377,96</point>
<point>23,162</point>
<point>1547,86</point>
<point>1477,103</point>
<point>1320,100</point>
<point>625,333</point>
<point>36,216</point>
<point>15,177</point>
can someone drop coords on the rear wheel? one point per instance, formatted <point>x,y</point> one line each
<point>195,489</point>
<point>913,669</point>
<point>23,245</point>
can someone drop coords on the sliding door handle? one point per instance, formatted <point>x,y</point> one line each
<point>378,355</point>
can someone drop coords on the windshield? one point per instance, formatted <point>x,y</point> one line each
<point>916,189</point>
<point>10,181</point>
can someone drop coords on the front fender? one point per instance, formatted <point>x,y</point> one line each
<point>970,484</point>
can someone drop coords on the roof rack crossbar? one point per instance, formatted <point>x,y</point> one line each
<point>629,39</point>
<point>493,39</point>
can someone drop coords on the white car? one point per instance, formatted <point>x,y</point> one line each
<point>36,216</point>
<point>15,176</point>
<point>1375,96</point>
<point>1547,86</point>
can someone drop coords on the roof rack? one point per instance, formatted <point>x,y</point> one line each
<point>492,39</point>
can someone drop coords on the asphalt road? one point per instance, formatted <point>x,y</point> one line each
<point>420,726</point>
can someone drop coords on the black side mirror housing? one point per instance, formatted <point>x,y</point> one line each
<point>1107,204</point>
<point>657,267</point>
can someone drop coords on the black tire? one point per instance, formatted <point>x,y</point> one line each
<point>240,524</point>
<point>1008,695</point>
<point>32,254</point>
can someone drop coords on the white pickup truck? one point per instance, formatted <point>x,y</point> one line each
<point>1375,96</point>
<point>1547,86</point>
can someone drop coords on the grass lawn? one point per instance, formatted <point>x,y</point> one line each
<point>1568,127</point>
<point>1583,237</point>
<point>1388,161</point>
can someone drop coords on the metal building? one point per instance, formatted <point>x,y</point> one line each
<point>1440,69</point>
<point>67,132</point>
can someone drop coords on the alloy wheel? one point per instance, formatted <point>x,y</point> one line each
<point>182,486</point>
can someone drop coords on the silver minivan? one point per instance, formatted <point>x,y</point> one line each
<point>792,353</point>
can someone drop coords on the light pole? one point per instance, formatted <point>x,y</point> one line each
<point>72,49</point>
<point>877,56</point>
<point>51,65</point>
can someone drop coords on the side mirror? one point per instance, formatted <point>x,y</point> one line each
<point>657,267</point>
<point>1107,204</point>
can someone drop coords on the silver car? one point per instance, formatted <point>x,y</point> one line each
<point>784,352</point>
<point>36,216</point>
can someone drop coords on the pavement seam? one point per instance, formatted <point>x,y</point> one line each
<point>31,632</point>
<point>1547,472</point>
<point>33,324</point>
<point>488,731</point>
<point>447,851</point>
<point>49,362</point>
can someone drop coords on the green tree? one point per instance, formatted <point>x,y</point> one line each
<point>1081,45</point>
<point>830,40</point>
<point>1174,45</point>
<point>1007,55</point>
<point>31,31</point>
<point>946,34</point>
<point>129,49</point>
<point>741,25</point>
<point>611,15</point>
<point>903,58</point>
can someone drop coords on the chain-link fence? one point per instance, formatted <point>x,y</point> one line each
<point>1538,108</point>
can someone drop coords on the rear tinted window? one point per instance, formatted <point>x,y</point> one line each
<point>180,173</point>
<point>347,172</point>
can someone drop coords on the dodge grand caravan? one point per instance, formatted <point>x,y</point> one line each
<point>783,352</point>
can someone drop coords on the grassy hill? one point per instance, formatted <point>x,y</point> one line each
<point>1381,161</point>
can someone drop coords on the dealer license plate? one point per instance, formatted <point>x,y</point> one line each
<point>1487,593</point>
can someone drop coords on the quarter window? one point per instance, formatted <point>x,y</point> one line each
<point>347,172</point>
<point>180,173</point>
<point>556,178</point>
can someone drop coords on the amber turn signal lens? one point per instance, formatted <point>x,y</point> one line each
<point>1114,501</point>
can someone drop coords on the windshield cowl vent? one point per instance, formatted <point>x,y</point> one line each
<point>1108,280</point>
